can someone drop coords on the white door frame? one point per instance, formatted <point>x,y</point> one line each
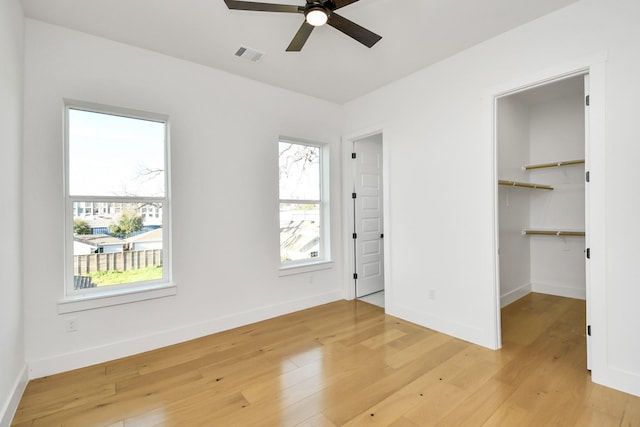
<point>348,213</point>
<point>595,229</point>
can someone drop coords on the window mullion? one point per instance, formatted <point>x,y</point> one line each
<point>300,201</point>
<point>115,199</point>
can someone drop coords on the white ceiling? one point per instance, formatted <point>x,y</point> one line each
<point>331,66</point>
<point>571,86</point>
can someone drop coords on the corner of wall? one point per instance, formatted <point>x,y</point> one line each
<point>11,405</point>
<point>516,294</point>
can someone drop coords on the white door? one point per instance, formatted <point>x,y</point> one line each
<point>587,220</point>
<point>368,231</point>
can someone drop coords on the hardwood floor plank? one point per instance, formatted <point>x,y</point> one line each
<point>397,359</point>
<point>508,414</point>
<point>631,415</point>
<point>591,417</point>
<point>346,364</point>
<point>257,391</point>
<point>403,422</point>
<point>68,396</point>
<point>607,401</point>
<point>384,338</point>
<point>387,412</point>
<point>132,403</point>
<point>316,421</point>
<point>441,399</point>
<point>375,386</point>
<point>479,406</point>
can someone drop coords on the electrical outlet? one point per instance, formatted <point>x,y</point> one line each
<point>432,294</point>
<point>72,324</point>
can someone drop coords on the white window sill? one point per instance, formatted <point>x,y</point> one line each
<point>290,270</point>
<point>95,300</point>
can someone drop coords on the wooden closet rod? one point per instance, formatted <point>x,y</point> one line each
<point>554,165</point>
<point>554,233</point>
<point>524,184</point>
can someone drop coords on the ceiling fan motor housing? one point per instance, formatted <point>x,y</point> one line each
<point>316,13</point>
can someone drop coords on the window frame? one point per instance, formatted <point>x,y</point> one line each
<point>83,299</point>
<point>324,260</point>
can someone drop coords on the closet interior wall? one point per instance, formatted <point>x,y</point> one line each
<point>542,125</point>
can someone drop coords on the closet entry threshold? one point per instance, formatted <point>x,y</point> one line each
<point>559,233</point>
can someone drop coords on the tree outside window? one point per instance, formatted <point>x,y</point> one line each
<point>301,203</point>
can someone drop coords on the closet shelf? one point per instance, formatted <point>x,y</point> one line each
<point>559,233</point>
<point>554,165</point>
<point>524,184</point>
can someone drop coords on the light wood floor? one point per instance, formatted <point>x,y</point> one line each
<point>346,364</point>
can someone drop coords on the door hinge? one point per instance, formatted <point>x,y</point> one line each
<point>589,330</point>
<point>382,235</point>
<point>355,235</point>
<point>587,100</point>
<point>353,155</point>
<point>355,276</point>
<point>588,252</point>
<point>353,195</point>
<point>587,176</point>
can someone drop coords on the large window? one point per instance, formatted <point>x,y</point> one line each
<point>117,201</point>
<point>303,230</point>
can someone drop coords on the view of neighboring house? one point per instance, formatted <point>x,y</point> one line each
<point>149,240</point>
<point>103,252</point>
<point>87,210</point>
<point>84,244</point>
<point>100,215</point>
<point>299,239</point>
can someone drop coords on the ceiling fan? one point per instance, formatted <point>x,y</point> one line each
<point>317,13</point>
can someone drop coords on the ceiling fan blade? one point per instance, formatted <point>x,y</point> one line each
<point>263,7</point>
<point>300,38</point>
<point>342,3</point>
<point>353,30</point>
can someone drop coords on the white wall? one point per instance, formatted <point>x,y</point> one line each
<point>224,136</point>
<point>557,133</point>
<point>12,356</point>
<point>440,222</point>
<point>512,136</point>
<point>542,125</point>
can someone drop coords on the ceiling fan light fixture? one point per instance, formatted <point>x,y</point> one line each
<point>316,16</point>
<point>316,13</point>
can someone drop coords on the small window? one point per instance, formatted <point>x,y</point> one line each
<point>116,172</point>
<point>303,229</point>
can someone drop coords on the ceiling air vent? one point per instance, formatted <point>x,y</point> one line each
<point>249,54</point>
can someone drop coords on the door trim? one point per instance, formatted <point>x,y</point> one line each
<point>596,303</point>
<point>348,210</point>
<point>364,284</point>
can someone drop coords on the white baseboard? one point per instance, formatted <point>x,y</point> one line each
<point>104,353</point>
<point>558,290</point>
<point>515,294</point>
<point>464,332</point>
<point>11,405</point>
<point>618,379</point>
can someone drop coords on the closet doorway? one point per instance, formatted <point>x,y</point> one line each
<point>368,232</point>
<point>542,150</point>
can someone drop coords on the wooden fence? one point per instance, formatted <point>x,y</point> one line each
<point>121,261</point>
